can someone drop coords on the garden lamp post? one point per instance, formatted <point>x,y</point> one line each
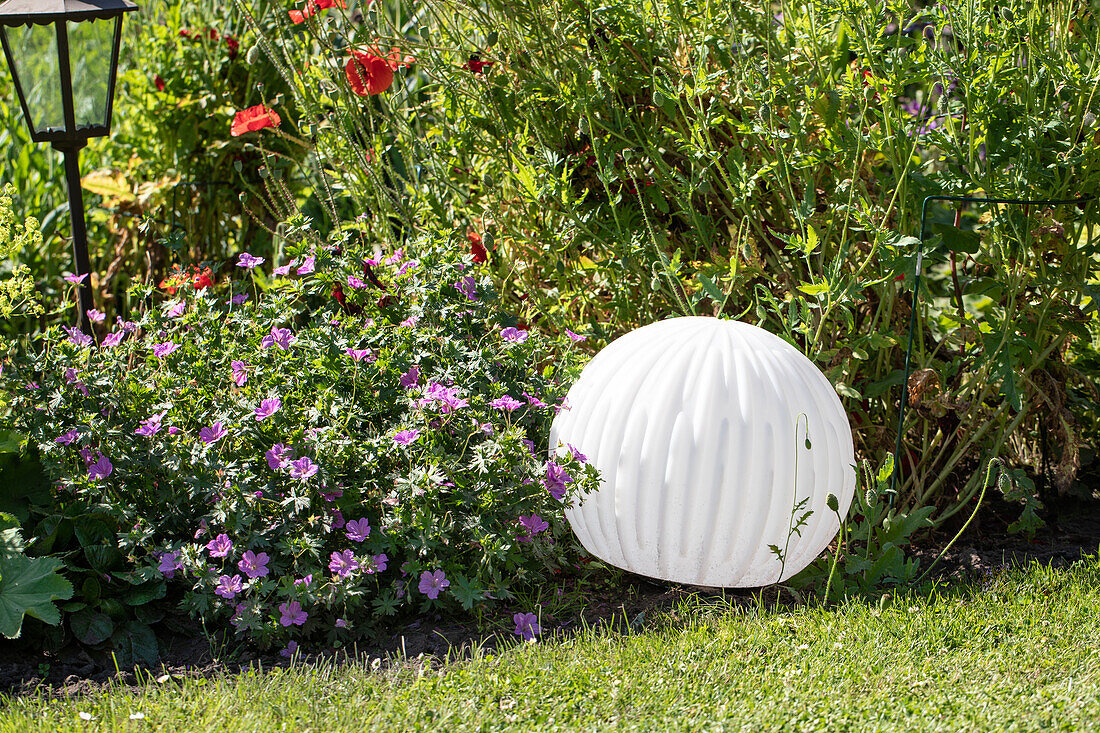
<point>63,56</point>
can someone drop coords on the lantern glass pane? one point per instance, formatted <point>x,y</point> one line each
<point>34,56</point>
<point>91,43</point>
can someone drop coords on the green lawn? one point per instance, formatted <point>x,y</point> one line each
<point>1020,651</point>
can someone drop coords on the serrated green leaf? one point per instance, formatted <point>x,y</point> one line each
<point>91,627</point>
<point>29,586</point>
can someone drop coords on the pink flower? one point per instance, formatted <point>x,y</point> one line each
<point>556,480</point>
<point>76,279</point>
<point>220,546</point>
<point>169,564</point>
<point>78,337</point>
<point>357,530</point>
<point>533,524</point>
<point>577,455</point>
<point>162,350</point>
<point>410,378</point>
<point>513,334</point>
<point>308,265</point>
<point>405,437</point>
<point>228,587</point>
<point>113,339</point>
<point>283,269</point>
<point>505,403</point>
<point>213,434</point>
<point>468,287</point>
<point>341,623</point>
<point>278,457</point>
<point>379,563</point>
<point>575,338</point>
<point>176,310</point>
<point>431,584</point>
<point>150,426</point>
<point>533,401</point>
<point>268,408</point>
<point>279,337</point>
<point>95,316</point>
<point>527,626</point>
<point>248,261</point>
<point>292,613</point>
<point>343,563</point>
<point>240,376</point>
<point>102,468</point>
<point>253,565</point>
<point>306,581</point>
<point>358,354</point>
<point>302,468</point>
<point>356,283</point>
<point>68,438</point>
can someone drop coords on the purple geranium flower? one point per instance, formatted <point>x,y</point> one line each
<point>162,350</point>
<point>343,563</point>
<point>95,316</point>
<point>357,530</point>
<point>283,269</point>
<point>379,562</point>
<point>533,524</point>
<point>228,587</point>
<point>278,457</point>
<point>575,337</point>
<point>268,408</point>
<point>513,334</point>
<point>238,299</point>
<point>308,265</point>
<point>253,565</point>
<point>556,480</point>
<point>302,468</point>
<point>358,354</point>
<point>306,581</point>
<point>78,337</point>
<point>113,339</point>
<point>213,434</point>
<point>68,438</point>
<point>533,401</point>
<point>75,279</point>
<point>101,468</point>
<point>169,564</point>
<point>279,337</point>
<point>248,261</point>
<point>150,426</point>
<point>290,651</point>
<point>176,309</point>
<point>432,583</point>
<point>527,626</point>
<point>446,396</point>
<point>356,283</point>
<point>220,546</point>
<point>582,458</point>
<point>410,378</point>
<point>292,613</point>
<point>468,287</point>
<point>406,436</point>
<point>240,375</point>
<point>505,403</point>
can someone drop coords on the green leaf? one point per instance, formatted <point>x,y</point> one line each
<point>710,288</point>
<point>91,627</point>
<point>29,586</point>
<point>468,592</point>
<point>815,289</point>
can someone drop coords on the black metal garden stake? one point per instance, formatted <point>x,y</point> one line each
<point>63,56</point>
<point>915,296</point>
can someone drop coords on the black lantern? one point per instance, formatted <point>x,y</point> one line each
<point>63,56</point>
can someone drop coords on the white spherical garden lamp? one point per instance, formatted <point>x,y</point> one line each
<point>718,444</point>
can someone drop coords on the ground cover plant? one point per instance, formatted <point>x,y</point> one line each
<point>1015,650</point>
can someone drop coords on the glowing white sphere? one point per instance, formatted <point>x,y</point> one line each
<point>692,424</point>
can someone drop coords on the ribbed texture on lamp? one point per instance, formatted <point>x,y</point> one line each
<point>692,424</point>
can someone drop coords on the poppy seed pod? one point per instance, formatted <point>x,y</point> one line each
<point>699,429</point>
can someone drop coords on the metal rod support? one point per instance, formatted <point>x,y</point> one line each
<point>80,235</point>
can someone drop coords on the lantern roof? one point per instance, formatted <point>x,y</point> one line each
<point>21,12</point>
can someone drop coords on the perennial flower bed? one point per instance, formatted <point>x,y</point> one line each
<point>304,454</point>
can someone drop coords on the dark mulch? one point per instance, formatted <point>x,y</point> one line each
<point>1073,529</point>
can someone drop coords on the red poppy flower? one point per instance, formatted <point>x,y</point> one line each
<point>477,248</point>
<point>367,74</point>
<point>159,83</point>
<point>312,6</point>
<point>254,118</point>
<point>234,46</point>
<point>476,65</point>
